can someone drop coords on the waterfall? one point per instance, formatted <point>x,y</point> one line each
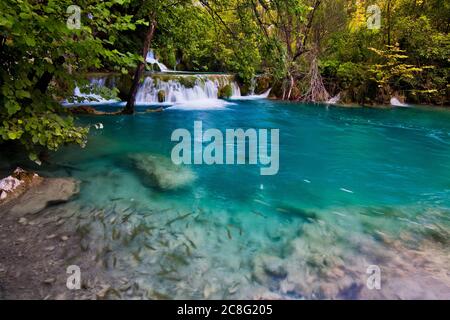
<point>252,86</point>
<point>96,84</point>
<point>397,103</point>
<point>171,89</point>
<point>175,91</point>
<point>252,95</point>
<point>152,60</point>
<point>263,95</point>
<point>335,99</point>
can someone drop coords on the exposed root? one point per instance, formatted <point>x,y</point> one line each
<point>317,91</point>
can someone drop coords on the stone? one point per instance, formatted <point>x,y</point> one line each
<point>103,292</point>
<point>23,221</point>
<point>159,172</point>
<point>49,280</point>
<point>3,195</point>
<point>50,191</point>
<point>125,287</point>
<point>9,184</point>
<point>208,290</point>
<point>152,110</point>
<point>274,266</point>
<point>161,96</point>
<point>64,238</point>
<point>225,92</point>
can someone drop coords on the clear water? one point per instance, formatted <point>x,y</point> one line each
<point>356,187</point>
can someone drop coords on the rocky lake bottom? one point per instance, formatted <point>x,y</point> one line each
<point>356,188</point>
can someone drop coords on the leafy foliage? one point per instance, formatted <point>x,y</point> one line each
<point>42,61</point>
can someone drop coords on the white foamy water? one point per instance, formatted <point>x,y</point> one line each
<point>90,98</point>
<point>189,92</point>
<point>152,60</point>
<point>264,95</point>
<point>205,104</point>
<point>176,93</point>
<point>335,99</point>
<point>397,103</point>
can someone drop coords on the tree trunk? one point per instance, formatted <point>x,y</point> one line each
<point>291,86</point>
<point>129,108</point>
<point>389,22</point>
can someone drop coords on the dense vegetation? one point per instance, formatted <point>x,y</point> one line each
<point>305,49</point>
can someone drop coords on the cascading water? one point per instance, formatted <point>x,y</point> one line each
<point>179,90</point>
<point>96,83</point>
<point>335,99</point>
<point>252,95</point>
<point>203,90</point>
<point>151,59</point>
<point>397,103</point>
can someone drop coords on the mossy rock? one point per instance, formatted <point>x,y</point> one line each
<point>123,84</point>
<point>161,96</point>
<point>225,92</point>
<point>263,83</point>
<point>188,81</point>
<point>245,89</point>
<point>155,67</point>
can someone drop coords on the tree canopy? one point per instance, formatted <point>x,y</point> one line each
<point>307,50</point>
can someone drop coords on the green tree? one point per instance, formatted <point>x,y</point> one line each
<point>42,62</point>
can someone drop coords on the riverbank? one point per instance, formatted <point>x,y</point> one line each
<point>38,244</point>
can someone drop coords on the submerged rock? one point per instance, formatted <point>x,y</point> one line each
<point>160,172</point>
<point>152,110</point>
<point>48,192</point>
<point>161,96</point>
<point>267,267</point>
<point>14,185</point>
<point>225,92</point>
<point>9,184</point>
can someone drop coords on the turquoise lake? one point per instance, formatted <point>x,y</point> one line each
<point>356,187</point>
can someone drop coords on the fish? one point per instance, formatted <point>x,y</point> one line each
<point>126,217</point>
<point>178,218</point>
<point>188,250</point>
<point>115,234</point>
<point>190,241</point>
<point>229,234</point>
<point>178,259</point>
<point>262,202</point>
<point>115,199</point>
<point>259,214</point>
<point>136,255</point>
<point>149,246</point>
<point>153,294</point>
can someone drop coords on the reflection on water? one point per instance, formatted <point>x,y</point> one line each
<point>356,188</point>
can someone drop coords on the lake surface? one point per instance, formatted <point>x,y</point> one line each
<point>356,187</point>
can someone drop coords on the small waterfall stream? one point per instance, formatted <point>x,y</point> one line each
<point>184,89</point>
<point>170,87</point>
<point>151,59</point>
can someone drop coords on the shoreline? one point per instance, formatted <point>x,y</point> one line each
<point>37,245</point>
